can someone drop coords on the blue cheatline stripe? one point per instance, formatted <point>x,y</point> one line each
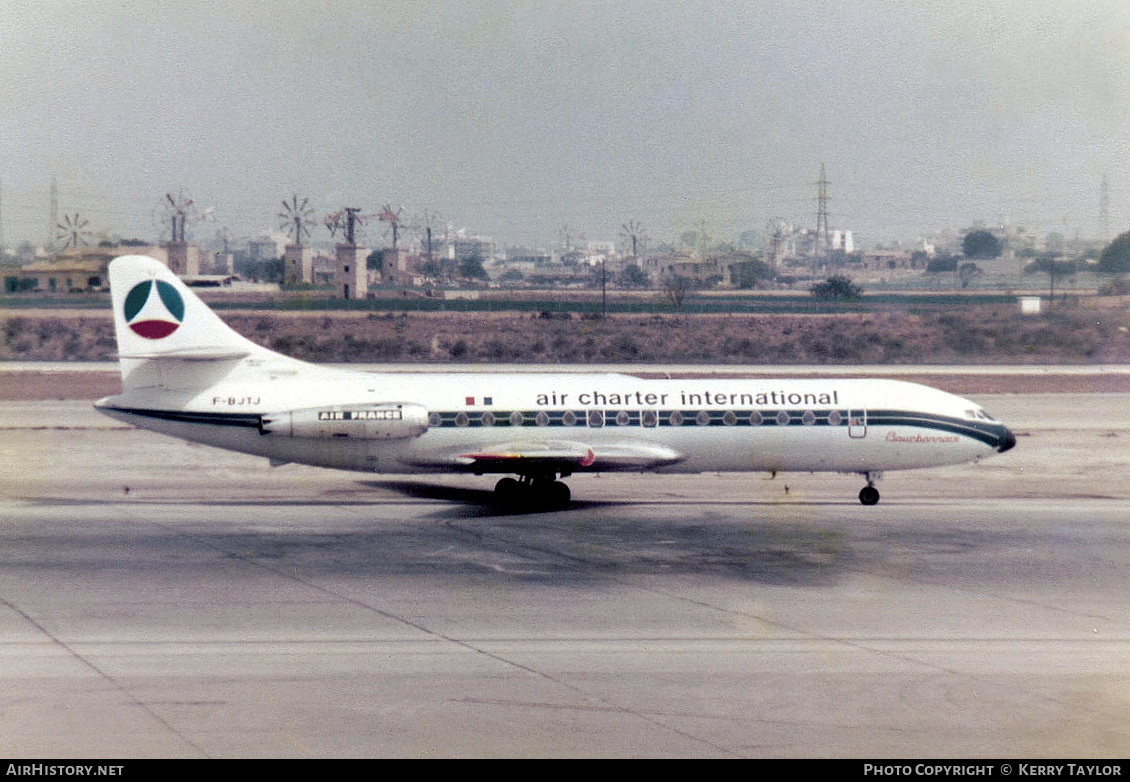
<point>182,416</point>
<point>989,433</point>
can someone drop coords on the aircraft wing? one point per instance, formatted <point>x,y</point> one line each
<point>559,456</point>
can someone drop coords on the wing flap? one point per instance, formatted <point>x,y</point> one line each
<point>559,456</point>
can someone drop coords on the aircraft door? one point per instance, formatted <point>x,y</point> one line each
<point>857,423</point>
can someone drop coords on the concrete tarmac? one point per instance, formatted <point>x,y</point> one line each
<point>160,599</point>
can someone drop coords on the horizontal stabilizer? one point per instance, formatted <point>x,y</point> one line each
<point>192,354</point>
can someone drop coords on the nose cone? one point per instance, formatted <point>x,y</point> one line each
<point>1007,440</point>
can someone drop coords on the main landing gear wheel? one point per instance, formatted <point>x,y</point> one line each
<point>539,493</point>
<point>508,490</point>
<point>869,495</point>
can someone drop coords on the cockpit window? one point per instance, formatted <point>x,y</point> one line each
<point>979,414</point>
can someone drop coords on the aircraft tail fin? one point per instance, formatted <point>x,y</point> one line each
<point>164,331</point>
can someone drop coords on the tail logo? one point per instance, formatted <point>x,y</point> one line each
<point>153,316</point>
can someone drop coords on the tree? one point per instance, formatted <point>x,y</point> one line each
<point>981,245</point>
<point>968,272</point>
<point>748,273</point>
<point>471,268</point>
<point>942,263</point>
<point>374,262</point>
<point>836,287</point>
<point>632,276</point>
<point>1049,263</point>
<point>1056,269</point>
<point>1115,259</point>
<point>675,290</point>
<point>431,269</point>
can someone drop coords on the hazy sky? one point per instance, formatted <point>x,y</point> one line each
<point>512,119</point>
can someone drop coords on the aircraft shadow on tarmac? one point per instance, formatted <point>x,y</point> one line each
<point>488,503</point>
<point>484,501</point>
<point>469,538</point>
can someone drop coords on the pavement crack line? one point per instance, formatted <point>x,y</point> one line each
<point>470,647</point>
<point>92,666</point>
<point>859,645</point>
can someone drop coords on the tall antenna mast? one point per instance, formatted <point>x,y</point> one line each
<point>822,211</point>
<point>823,246</point>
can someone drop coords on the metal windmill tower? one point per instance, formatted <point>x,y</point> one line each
<point>296,218</point>
<point>391,216</point>
<point>632,232</point>
<point>333,223</point>
<point>346,220</point>
<point>179,210</point>
<point>426,222</point>
<point>71,231</point>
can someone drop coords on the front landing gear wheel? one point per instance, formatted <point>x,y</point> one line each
<point>869,495</point>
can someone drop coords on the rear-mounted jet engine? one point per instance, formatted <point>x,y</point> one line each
<point>389,421</point>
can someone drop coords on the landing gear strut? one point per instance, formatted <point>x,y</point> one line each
<point>544,490</point>
<point>869,495</point>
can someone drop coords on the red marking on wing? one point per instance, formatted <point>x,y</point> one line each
<point>490,456</point>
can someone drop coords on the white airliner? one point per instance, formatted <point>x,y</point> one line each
<point>186,373</point>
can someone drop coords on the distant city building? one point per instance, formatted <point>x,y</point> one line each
<point>472,246</point>
<point>223,263</point>
<point>65,276</point>
<point>265,248</point>
<point>530,259</point>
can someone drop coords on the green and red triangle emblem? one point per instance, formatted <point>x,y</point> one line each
<point>153,316</point>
